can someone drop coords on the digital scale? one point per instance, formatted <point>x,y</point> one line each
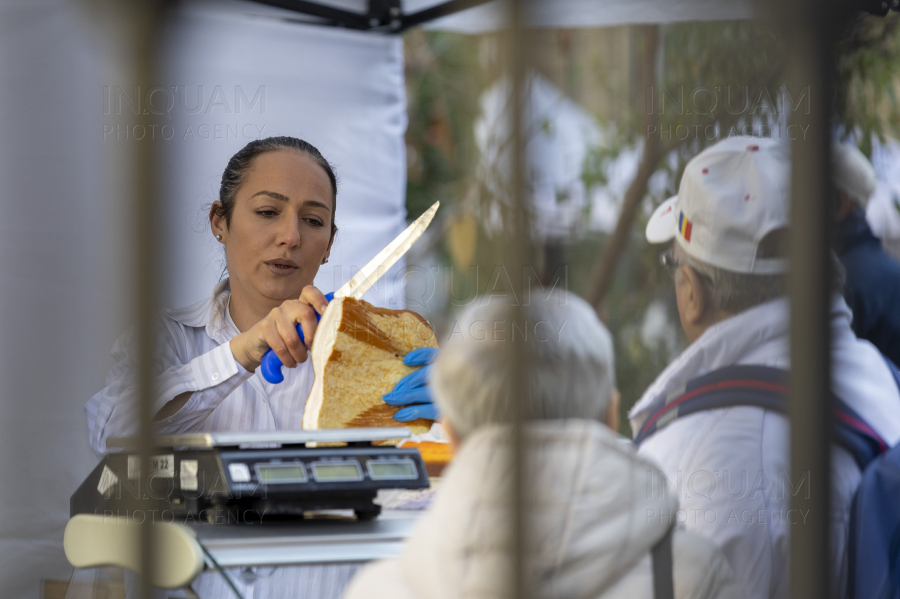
<point>250,477</point>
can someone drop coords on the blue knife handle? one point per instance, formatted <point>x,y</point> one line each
<point>271,363</point>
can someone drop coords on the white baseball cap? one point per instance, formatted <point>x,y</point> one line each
<point>732,196</point>
<point>853,172</point>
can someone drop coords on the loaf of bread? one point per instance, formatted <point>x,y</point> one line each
<point>437,456</point>
<point>357,357</point>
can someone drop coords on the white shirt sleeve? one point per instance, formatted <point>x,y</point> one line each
<point>210,377</point>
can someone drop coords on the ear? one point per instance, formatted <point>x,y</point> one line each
<point>454,438</point>
<point>694,296</point>
<point>844,205</point>
<point>612,411</point>
<point>330,242</point>
<point>216,222</point>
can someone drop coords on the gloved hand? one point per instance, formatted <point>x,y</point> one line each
<point>412,390</point>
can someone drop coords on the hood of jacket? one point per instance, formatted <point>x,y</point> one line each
<point>591,516</point>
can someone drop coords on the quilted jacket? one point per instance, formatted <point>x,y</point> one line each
<point>591,523</point>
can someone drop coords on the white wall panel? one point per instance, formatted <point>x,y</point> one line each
<point>65,236</point>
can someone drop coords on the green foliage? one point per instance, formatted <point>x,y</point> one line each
<point>444,81</point>
<point>713,78</point>
<point>867,80</point>
<point>717,78</point>
<point>593,171</point>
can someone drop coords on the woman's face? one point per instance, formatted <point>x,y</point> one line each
<point>280,229</point>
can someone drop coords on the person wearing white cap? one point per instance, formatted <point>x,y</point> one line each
<point>590,535</point>
<point>872,289</point>
<point>728,226</point>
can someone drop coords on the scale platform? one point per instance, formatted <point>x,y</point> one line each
<point>250,477</point>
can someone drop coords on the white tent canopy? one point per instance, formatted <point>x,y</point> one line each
<point>491,15</point>
<point>235,80</point>
<point>596,13</point>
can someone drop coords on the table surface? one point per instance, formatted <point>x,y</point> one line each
<point>320,541</point>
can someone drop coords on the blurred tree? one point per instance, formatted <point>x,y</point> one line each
<point>868,80</point>
<point>696,91</point>
<point>666,92</point>
<point>695,83</point>
<point>445,78</point>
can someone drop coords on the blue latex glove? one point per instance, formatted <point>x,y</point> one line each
<point>412,390</point>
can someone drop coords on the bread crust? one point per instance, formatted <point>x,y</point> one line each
<point>357,357</point>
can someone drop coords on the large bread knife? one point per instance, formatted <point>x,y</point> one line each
<point>361,282</point>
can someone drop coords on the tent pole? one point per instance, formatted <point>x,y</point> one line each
<point>335,17</point>
<point>145,18</point>
<point>515,256</point>
<point>811,46</point>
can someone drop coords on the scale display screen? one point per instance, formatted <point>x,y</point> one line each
<point>392,470</point>
<point>281,473</point>
<point>336,471</point>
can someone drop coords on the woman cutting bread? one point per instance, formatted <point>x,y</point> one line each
<point>275,217</point>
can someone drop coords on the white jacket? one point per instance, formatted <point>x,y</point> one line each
<point>730,466</point>
<point>591,529</point>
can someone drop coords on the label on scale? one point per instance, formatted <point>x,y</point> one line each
<point>163,464</point>
<point>108,480</point>
<point>188,472</point>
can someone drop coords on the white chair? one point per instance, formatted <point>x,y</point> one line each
<point>92,541</point>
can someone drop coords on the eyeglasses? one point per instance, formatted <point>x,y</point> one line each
<point>668,260</point>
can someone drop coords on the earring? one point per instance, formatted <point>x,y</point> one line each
<point>325,260</point>
<point>218,238</point>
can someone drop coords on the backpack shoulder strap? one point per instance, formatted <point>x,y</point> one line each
<point>661,556</point>
<point>737,385</point>
<point>766,388</point>
<point>855,435</point>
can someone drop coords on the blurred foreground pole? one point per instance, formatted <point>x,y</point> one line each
<point>810,41</point>
<point>144,19</point>
<point>514,255</point>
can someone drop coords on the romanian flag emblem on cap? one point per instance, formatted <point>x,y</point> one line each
<point>684,227</point>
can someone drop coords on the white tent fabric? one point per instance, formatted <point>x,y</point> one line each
<point>65,241</point>
<point>596,13</point>
<point>60,257</point>
<point>234,80</point>
<point>491,16</point>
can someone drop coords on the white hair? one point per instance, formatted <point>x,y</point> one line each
<point>571,372</point>
<point>734,292</point>
<point>853,173</point>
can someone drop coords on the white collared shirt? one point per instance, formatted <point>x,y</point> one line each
<point>194,355</point>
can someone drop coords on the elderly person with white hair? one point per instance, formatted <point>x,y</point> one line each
<point>592,528</point>
<point>709,419</point>
<point>873,276</point>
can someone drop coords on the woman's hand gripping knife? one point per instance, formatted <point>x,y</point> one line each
<point>413,390</point>
<point>283,332</point>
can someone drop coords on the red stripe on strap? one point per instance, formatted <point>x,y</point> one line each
<point>860,425</point>
<point>744,384</point>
